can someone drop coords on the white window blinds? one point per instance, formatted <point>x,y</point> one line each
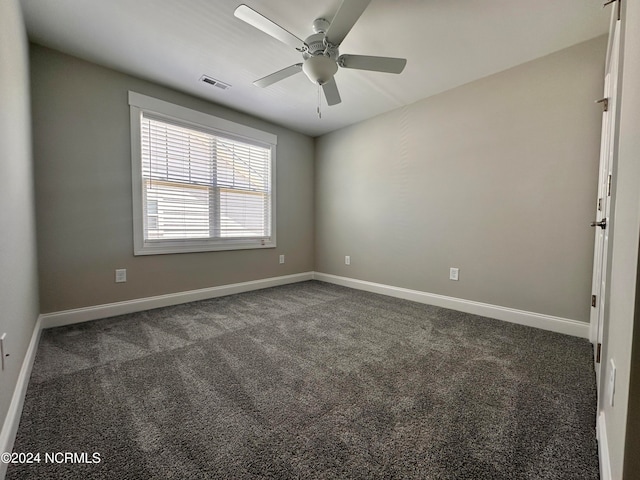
<point>198,188</point>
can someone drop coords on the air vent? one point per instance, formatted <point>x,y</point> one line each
<point>214,82</point>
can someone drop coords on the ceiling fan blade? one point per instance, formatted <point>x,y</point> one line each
<point>331,93</point>
<point>279,75</point>
<point>255,19</point>
<point>346,16</point>
<point>376,64</point>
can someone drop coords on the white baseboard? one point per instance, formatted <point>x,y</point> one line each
<point>530,319</point>
<point>77,315</point>
<point>603,448</point>
<point>12,420</point>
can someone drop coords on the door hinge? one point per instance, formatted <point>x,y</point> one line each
<point>598,352</point>
<point>609,2</point>
<point>599,204</point>
<point>593,300</point>
<point>605,104</point>
<point>609,186</point>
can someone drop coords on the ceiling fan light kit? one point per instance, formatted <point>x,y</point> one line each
<point>320,69</point>
<point>319,50</point>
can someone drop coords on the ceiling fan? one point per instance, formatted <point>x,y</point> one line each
<point>319,50</point>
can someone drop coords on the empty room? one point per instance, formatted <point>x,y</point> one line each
<point>323,239</point>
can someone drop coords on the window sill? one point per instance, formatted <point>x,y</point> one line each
<point>166,248</point>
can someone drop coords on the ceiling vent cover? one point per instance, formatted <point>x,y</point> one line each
<point>214,82</point>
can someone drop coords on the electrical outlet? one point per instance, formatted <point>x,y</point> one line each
<point>281,258</point>
<point>347,260</point>
<point>612,381</point>
<point>3,338</point>
<point>453,273</point>
<point>121,275</point>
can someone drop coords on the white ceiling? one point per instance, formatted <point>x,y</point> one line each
<point>447,43</point>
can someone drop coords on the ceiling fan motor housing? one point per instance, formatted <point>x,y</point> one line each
<point>316,45</point>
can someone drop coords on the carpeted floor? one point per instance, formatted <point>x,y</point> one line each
<point>310,381</point>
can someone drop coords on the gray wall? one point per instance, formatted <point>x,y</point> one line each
<point>497,178</point>
<point>83,183</point>
<point>18,282</point>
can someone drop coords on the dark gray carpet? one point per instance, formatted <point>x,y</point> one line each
<point>310,381</point>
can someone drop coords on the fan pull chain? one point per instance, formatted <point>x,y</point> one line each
<point>319,102</point>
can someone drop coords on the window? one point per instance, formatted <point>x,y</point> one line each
<point>200,183</point>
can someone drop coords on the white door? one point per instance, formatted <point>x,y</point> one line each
<point>603,204</point>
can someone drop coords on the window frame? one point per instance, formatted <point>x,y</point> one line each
<point>140,104</point>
